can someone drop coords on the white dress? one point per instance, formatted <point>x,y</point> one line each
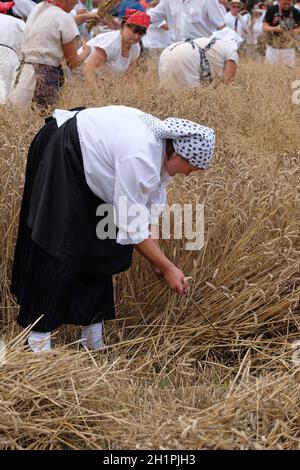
<point>11,34</point>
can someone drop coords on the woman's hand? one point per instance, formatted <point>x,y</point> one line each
<point>176,280</point>
<point>278,29</point>
<point>84,16</point>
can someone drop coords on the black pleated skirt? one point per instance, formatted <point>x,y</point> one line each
<point>61,271</point>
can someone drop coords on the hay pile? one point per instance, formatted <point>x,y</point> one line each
<point>170,380</point>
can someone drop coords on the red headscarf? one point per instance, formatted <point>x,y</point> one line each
<point>5,6</point>
<point>137,17</point>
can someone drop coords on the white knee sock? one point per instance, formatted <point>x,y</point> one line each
<point>91,336</point>
<point>39,342</point>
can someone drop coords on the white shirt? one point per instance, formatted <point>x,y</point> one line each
<point>23,8</point>
<point>237,23</point>
<point>111,43</point>
<point>48,28</point>
<point>223,9</point>
<point>179,65</point>
<point>11,32</point>
<point>122,157</point>
<point>157,37</point>
<point>256,30</point>
<point>188,19</point>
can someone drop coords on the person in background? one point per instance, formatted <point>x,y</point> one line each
<point>11,35</point>
<point>297,5</point>
<point>65,254</point>
<point>256,28</point>
<point>158,35</point>
<point>189,19</point>
<point>49,37</point>
<point>22,8</point>
<point>249,4</point>
<point>113,52</point>
<point>82,7</point>
<point>199,61</point>
<point>282,25</point>
<point>224,6</point>
<point>235,20</point>
<point>132,4</point>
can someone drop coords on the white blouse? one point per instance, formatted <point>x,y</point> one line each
<point>122,157</point>
<point>111,43</point>
<point>188,18</point>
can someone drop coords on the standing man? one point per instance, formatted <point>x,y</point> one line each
<point>236,21</point>
<point>282,25</point>
<point>189,19</point>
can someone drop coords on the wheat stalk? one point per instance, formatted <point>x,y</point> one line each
<point>104,9</point>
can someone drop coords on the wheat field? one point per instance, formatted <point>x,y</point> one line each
<point>213,370</point>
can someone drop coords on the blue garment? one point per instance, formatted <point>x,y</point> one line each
<point>129,4</point>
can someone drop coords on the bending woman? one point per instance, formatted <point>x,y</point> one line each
<point>114,51</point>
<point>77,172</point>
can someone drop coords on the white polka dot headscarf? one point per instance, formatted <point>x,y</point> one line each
<point>191,141</point>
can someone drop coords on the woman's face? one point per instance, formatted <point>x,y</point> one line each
<point>177,165</point>
<point>132,34</point>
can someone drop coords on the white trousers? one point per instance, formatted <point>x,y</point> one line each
<point>282,56</point>
<point>8,62</point>
<point>22,93</point>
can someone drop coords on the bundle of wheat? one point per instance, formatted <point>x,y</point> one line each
<point>104,10</point>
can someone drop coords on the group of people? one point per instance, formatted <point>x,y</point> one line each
<point>77,167</point>
<point>197,41</point>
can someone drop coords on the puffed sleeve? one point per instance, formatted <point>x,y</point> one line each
<point>109,43</point>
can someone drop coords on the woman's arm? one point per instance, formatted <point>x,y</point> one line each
<point>97,59</point>
<point>74,59</point>
<point>229,71</point>
<point>174,278</point>
<point>86,16</point>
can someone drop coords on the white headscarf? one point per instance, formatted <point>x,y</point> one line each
<point>193,142</point>
<point>229,35</point>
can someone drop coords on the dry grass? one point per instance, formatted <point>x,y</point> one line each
<point>170,380</point>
